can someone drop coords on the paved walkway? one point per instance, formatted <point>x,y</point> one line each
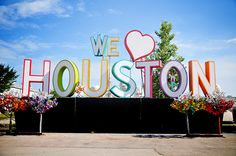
<point>71,144</point>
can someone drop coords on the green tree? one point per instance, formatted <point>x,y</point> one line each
<point>7,77</point>
<point>165,51</point>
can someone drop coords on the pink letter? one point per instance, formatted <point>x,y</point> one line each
<point>148,67</point>
<point>29,78</point>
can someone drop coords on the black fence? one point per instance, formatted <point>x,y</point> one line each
<point>115,115</point>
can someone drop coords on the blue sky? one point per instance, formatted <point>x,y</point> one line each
<point>57,29</point>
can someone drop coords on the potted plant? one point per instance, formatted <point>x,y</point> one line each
<point>40,104</point>
<point>216,104</point>
<point>10,103</point>
<point>188,105</point>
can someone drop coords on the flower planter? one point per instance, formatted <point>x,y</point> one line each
<point>27,122</point>
<point>116,116</point>
<point>204,123</point>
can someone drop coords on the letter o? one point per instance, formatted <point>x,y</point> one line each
<point>58,74</point>
<point>183,79</point>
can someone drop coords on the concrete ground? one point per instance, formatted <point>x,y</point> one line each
<point>71,144</point>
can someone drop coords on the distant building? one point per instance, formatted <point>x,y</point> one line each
<point>229,114</point>
<point>17,89</point>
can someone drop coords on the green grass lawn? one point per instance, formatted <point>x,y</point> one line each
<point>6,116</point>
<point>5,127</point>
<point>3,116</point>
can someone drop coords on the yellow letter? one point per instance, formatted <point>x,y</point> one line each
<point>112,49</point>
<point>103,78</point>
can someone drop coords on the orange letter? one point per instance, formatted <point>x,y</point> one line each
<point>197,78</point>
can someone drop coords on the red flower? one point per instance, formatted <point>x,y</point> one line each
<point>11,103</point>
<point>219,108</point>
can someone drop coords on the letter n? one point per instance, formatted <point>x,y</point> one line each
<point>207,80</point>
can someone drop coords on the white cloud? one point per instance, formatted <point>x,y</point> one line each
<point>199,49</point>
<point>216,45</point>
<point>114,12</point>
<point>11,14</point>
<point>5,15</point>
<point>27,9</point>
<point>81,6</point>
<point>21,46</point>
<point>199,46</point>
<point>16,48</point>
<point>233,41</point>
<point>7,53</point>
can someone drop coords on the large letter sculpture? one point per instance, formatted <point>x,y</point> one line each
<point>103,78</point>
<point>183,79</point>
<point>29,78</point>
<point>197,78</point>
<point>73,78</point>
<point>119,75</point>
<point>148,67</point>
<point>99,46</point>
